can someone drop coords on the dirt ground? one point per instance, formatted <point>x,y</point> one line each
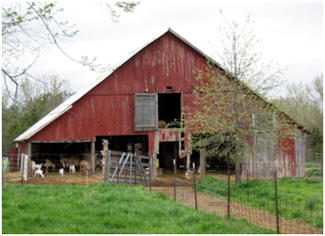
<point>185,195</point>
<point>211,204</point>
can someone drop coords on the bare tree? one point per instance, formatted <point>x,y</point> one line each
<point>30,27</point>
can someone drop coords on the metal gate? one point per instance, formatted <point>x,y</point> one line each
<point>128,168</point>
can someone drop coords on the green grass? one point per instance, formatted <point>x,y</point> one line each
<point>315,172</point>
<point>299,198</point>
<point>312,165</point>
<point>106,208</point>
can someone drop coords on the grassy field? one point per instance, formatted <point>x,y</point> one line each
<point>311,165</point>
<point>299,198</point>
<point>105,208</point>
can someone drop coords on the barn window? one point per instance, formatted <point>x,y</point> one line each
<point>264,121</point>
<point>145,112</point>
<point>169,109</point>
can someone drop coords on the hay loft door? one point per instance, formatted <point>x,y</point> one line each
<point>146,112</point>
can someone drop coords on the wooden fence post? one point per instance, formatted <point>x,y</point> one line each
<point>276,202</point>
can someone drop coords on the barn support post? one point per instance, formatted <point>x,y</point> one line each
<point>188,160</point>
<point>93,156</point>
<point>29,167</point>
<point>18,157</point>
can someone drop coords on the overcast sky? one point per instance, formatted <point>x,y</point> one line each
<point>290,33</point>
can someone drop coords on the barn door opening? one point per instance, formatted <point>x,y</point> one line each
<point>167,152</point>
<point>169,109</point>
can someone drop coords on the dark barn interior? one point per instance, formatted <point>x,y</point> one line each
<point>167,152</point>
<point>125,143</point>
<point>169,108</point>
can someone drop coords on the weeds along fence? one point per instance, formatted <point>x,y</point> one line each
<point>285,205</point>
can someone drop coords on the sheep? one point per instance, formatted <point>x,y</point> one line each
<point>39,172</point>
<point>49,164</point>
<point>61,172</point>
<point>72,169</point>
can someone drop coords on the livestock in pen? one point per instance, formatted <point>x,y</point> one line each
<point>49,164</point>
<point>61,172</point>
<point>39,172</point>
<point>153,87</point>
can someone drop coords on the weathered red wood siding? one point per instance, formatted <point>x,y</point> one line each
<point>108,109</point>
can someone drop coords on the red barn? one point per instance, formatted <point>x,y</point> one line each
<point>131,106</point>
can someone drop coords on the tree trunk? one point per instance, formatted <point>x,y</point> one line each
<point>238,170</point>
<point>203,161</point>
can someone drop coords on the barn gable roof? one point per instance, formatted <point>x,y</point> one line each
<point>68,104</point>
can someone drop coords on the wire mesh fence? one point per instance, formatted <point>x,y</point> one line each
<point>285,205</point>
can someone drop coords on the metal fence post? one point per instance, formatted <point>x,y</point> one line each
<point>276,202</point>
<point>150,169</point>
<point>87,174</point>
<point>174,163</point>
<point>135,169</point>
<point>228,191</point>
<point>195,194</point>
<point>247,183</point>
<point>118,170</point>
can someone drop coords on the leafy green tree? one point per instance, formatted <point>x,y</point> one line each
<point>304,103</point>
<point>33,103</point>
<point>223,120</point>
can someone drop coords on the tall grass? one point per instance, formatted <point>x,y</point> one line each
<point>106,208</point>
<point>299,198</point>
